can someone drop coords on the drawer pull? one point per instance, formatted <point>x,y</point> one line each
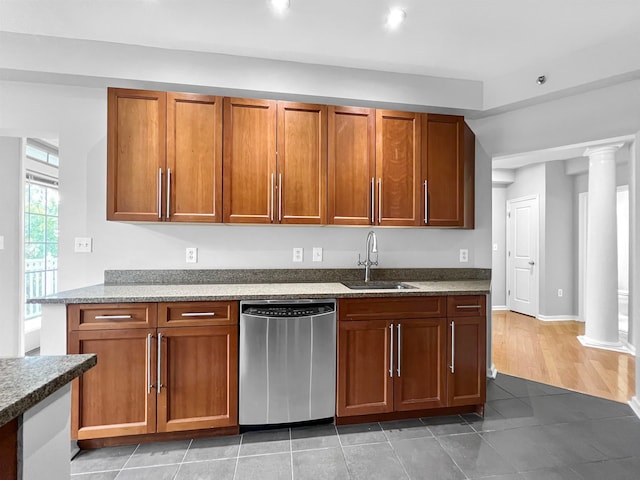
<point>391,351</point>
<point>113,317</point>
<point>453,347</point>
<point>199,314</point>
<point>399,349</point>
<point>468,306</point>
<point>149,383</point>
<point>159,364</point>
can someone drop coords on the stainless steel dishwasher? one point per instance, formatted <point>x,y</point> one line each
<point>287,361</point>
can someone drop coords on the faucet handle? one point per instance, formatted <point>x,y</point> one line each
<point>376,261</point>
<point>360,262</point>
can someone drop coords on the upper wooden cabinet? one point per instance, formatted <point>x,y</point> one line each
<point>199,158</point>
<point>194,158</point>
<point>164,156</point>
<point>398,196</point>
<point>275,166</point>
<point>249,160</point>
<point>302,163</point>
<point>351,157</point>
<point>448,171</point>
<point>135,154</point>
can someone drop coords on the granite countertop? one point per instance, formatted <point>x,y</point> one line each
<point>26,381</point>
<point>238,291</point>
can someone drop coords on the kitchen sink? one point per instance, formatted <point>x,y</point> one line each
<point>377,286</point>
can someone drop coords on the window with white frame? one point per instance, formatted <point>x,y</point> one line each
<point>41,200</point>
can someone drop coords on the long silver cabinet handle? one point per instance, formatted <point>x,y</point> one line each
<point>373,200</point>
<point>399,348</point>
<point>160,193</point>
<point>159,362</point>
<point>391,352</point>
<point>426,203</point>
<point>279,197</point>
<point>453,347</point>
<point>168,213</point>
<point>199,314</point>
<point>149,383</point>
<point>272,195</point>
<point>112,317</point>
<point>379,199</point>
<point>468,306</point>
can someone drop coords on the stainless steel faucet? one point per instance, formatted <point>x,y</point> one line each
<point>372,247</point>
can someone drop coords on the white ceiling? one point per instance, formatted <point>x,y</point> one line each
<point>466,39</point>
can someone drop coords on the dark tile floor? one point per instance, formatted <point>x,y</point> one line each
<point>530,431</point>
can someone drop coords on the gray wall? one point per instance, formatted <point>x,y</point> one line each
<point>560,266</point>
<point>10,224</point>
<point>499,238</point>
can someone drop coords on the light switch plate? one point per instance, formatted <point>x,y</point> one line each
<point>1,242</point>
<point>298,254</point>
<point>317,254</point>
<point>82,244</point>
<point>191,255</point>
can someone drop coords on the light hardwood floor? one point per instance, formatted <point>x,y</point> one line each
<point>549,352</point>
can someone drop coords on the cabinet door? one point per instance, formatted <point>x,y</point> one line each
<point>365,383</point>
<point>398,168</point>
<point>198,385</point>
<point>466,382</point>
<point>136,126</point>
<point>443,170</point>
<point>116,397</point>
<point>421,374</point>
<point>194,158</point>
<point>351,166</point>
<point>302,163</point>
<point>249,160</point>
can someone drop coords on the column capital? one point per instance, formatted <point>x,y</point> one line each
<point>603,149</point>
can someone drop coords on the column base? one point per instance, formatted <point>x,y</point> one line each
<point>613,346</point>
<point>634,403</point>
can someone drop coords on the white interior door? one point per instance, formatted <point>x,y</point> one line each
<point>522,255</point>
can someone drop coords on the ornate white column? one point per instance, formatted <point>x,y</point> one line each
<point>601,278</point>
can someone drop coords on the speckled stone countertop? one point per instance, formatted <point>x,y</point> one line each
<point>26,381</point>
<point>266,291</point>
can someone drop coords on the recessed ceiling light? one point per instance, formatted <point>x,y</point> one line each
<point>280,5</point>
<point>395,17</point>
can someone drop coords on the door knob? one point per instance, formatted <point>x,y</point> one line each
<point>532,263</point>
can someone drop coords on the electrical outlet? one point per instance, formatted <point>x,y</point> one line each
<point>298,254</point>
<point>495,247</point>
<point>191,255</point>
<point>82,244</point>
<point>317,254</point>
<point>560,292</point>
<point>464,255</point>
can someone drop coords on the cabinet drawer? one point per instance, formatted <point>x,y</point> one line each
<point>390,308</point>
<point>107,316</point>
<point>466,306</point>
<point>194,314</point>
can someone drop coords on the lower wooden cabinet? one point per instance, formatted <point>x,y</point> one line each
<point>198,378</point>
<point>387,363</point>
<point>115,398</point>
<point>155,380</point>
<point>364,357</point>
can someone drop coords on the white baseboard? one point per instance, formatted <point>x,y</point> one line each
<point>492,371</point>
<point>634,403</point>
<point>558,318</point>
<point>499,308</point>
